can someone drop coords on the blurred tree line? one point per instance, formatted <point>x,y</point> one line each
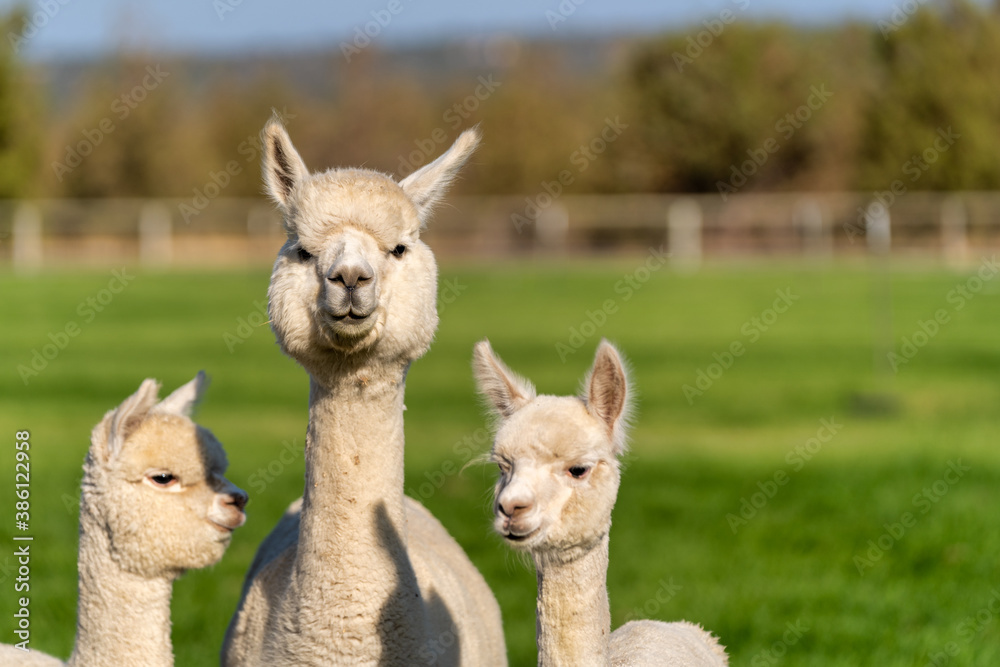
<point>722,106</point>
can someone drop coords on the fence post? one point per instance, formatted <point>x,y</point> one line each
<point>954,232</point>
<point>155,240</point>
<point>808,216</point>
<point>684,221</point>
<point>878,229</point>
<point>879,237</point>
<point>552,226</point>
<point>27,241</point>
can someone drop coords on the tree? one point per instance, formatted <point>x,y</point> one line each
<point>934,117</point>
<point>18,109</point>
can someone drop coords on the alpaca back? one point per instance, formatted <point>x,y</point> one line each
<point>680,644</point>
<point>15,657</point>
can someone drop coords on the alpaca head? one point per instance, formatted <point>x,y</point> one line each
<point>558,455</point>
<point>354,275</point>
<point>153,480</point>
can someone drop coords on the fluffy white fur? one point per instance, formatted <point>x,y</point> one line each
<point>559,476</point>
<point>355,573</point>
<point>154,503</point>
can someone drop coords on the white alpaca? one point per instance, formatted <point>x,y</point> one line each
<point>355,573</point>
<point>559,475</point>
<point>154,503</point>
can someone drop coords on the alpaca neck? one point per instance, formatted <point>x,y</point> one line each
<point>122,618</point>
<point>574,620</point>
<point>351,563</point>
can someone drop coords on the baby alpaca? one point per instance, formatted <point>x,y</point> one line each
<point>559,476</point>
<point>154,503</point>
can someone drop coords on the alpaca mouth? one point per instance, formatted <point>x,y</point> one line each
<point>222,528</point>
<point>229,526</point>
<point>513,537</point>
<point>350,317</point>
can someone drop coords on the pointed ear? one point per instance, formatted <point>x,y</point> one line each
<point>107,438</point>
<point>427,185</point>
<point>506,391</point>
<point>184,399</point>
<point>282,166</point>
<point>607,396</point>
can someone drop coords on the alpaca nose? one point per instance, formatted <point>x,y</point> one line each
<point>515,506</point>
<point>237,499</point>
<point>351,274</point>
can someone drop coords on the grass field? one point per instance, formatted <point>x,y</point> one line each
<point>806,506</point>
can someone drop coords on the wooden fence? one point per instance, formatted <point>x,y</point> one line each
<point>953,227</point>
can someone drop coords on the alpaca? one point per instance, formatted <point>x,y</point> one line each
<point>356,573</point>
<point>153,504</point>
<point>559,476</point>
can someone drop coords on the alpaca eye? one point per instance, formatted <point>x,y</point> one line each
<point>399,250</point>
<point>163,479</point>
<point>304,254</point>
<point>578,472</point>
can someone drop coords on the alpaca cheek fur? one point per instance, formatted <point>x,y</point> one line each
<point>291,297</point>
<point>411,314</point>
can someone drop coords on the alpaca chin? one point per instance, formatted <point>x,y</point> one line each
<point>354,336</point>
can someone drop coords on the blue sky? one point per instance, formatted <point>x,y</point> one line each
<point>88,27</point>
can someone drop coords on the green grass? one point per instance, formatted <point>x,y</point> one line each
<point>674,553</point>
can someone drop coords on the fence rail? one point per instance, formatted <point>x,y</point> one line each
<point>952,226</point>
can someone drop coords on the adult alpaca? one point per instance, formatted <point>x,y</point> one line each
<point>153,504</point>
<point>355,573</point>
<point>559,477</point>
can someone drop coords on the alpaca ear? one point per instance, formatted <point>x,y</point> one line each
<point>426,186</point>
<point>107,438</point>
<point>184,399</point>
<point>607,393</point>
<point>282,166</point>
<point>506,391</point>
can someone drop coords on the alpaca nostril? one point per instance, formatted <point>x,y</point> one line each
<point>237,500</point>
<point>514,508</point>
<point>351,276</point>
